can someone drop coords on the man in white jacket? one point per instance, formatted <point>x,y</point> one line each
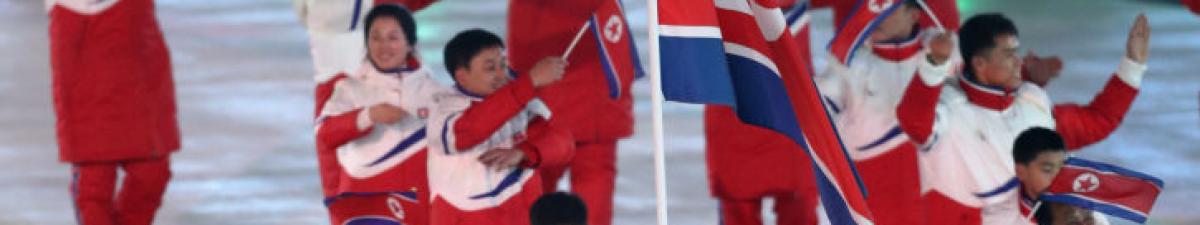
<point>862,98</point>
<point>965,128</point>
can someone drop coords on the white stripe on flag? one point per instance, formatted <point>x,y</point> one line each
<point>770,20</point>
<point>856,215</point>
<point>689,31</point>
<point>800,24</point>
<point>733,5</point>
<point>746,52</point>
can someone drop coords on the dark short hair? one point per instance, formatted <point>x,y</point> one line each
<point>1034,141</point>
<point>398,12</point>
<point>979,33</point>
<point>558,208</point>
<point>465,45</point>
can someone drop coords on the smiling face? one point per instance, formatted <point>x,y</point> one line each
<point>485,73</point>
<point>387,47</point>
<point>1000,65</point>
<point>1036,175</point>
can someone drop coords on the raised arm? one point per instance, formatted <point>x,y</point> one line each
<point>917,109</point>
<point>1084,125</point>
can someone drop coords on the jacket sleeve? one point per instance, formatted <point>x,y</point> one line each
<point>483,118</point>
<point>1087,124</point>
<point>340,121</point>
<point>323,92</point>
<point>547,145</point>
<point>917,111</point>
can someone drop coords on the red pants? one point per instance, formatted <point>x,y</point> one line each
<point>94,183</point>
<point>893,186</point>
<point>378,209</point>
<point>593,172</point>
<point>940,209</point>
<point>513,211</point>
<point>789,210</point>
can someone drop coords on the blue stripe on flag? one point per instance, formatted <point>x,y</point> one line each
<point>633,53</point>
<point>762,99</point>
<point>835,206</point>
<point>638,72</point>
<point>1105,167</point>
<point>610,73</point>
<point>694,71</point>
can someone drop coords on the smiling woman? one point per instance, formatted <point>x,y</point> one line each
<point>371,128</point>
<point>391,34</point>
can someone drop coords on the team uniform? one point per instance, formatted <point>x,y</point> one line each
<point>336,41</point>
<point>382,165</point>
<point>465,126</point>
<point>965,133</point>
<point>747,163</point>
<point>114,104</point>
<point>593,104</point>
<point>335,31</point>
<point>862,100</point>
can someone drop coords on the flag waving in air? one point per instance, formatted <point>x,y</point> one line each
<point>618,54</point>
<point>1105,188</point>
<point>858,27</point>
<point>741,53</point>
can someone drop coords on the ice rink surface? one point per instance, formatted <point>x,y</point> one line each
<point>244,86</point>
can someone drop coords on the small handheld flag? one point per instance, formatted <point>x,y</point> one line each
<point>1105,188</point>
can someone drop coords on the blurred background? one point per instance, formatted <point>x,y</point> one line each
<point>244,86</point>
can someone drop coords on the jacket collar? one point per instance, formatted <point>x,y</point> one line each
<point>991,97</point>
<point>898,50</point>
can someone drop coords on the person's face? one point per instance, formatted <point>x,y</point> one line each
<point>1037,174</point>
<point>897,25</point>
<point>386,44</point>
<point>1071,215</point>
<point>485,73</point>
<point>1000,65</point>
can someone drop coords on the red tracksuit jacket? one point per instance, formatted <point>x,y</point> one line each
<point>114,97</point>
<point>580,101</point>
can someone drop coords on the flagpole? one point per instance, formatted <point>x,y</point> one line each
<point>571,47</point>
<point>929,12</point>
<point>1033,210</point>
<point>656,118</point>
